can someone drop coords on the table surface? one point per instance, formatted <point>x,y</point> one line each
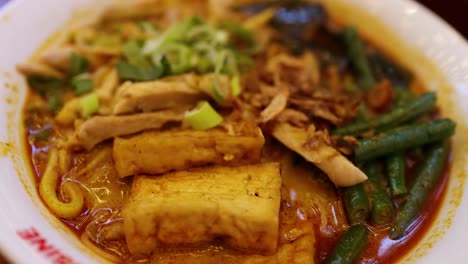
<point>453,11</point>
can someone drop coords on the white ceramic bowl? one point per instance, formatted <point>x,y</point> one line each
<point>419,39</point>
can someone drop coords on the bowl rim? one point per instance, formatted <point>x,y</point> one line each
<point>442,25</point>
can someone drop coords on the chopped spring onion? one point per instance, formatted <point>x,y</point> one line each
<point>240,33</point>
<point>127,71</point>
<point>55,102</point>
<point>132,53</point>
<point>82,84</point>
<point>219,64</point>
<point>174,33</point>
<point>235,85</point>
<point>203,117</point>
<point>78,65</point>
<point>148,28</point>
<point>44,85</point>
<point>179,56</point>
<point>89,105</point>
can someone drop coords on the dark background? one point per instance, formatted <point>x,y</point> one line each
<point>455,12</point>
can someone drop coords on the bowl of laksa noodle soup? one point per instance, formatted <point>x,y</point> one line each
<point>156,131</point>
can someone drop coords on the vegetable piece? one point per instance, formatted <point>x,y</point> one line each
<point>383,68</point>
<point>381,205</point>
<point>82,84</point>
<point>89,105</point>
<point>395,165</point>
<point>350,245</point>
<point>178,56</point>
<point>237,31</point>
<point>175,32</point>
<point>131,72</point>
<point>204,117</point>
<point>426,178</point>
<point>397,116</point>
<point>356,53</point>
<point>235,85</point>
<point>133,54</point>
<point>356,203</point>
<point>399,139</point>
<point>44,85</point>
<point>218,94</point>
<point>55,102</point>
<point>148,27</point>
<point>78,65</point>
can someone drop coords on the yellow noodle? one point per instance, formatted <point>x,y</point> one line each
<point>259,20</point>
<point>110,82</point>
<point>100,74</point>
<point>69,113</point>
<point>47,189</point>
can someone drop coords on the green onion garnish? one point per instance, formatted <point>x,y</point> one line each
<point>82,84</point>
<point>203,117</point>
<point>89,105</point>
<point>78,65</point>
<point>235,85</point>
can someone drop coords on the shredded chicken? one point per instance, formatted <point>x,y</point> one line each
<point>315,147</point>
<point>100,128</point>
<point>155,95</point>
<point>39,69</point>
<point>276,106</point>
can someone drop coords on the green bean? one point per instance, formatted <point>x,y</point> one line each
<point>357,55</point>
<point>356,203</point>
<point>427,177</point>
<point>400,114</point>
<point>400,139</point>
<point>381,205</point>
<point>395,165</point>
<point>350,245</point>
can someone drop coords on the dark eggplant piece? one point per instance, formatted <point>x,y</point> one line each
<point>303,25</point>
<point>383,68</point>
<point>296,20</point>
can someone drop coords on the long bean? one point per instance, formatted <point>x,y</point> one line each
<point>350,245</point>
<point>426,178</point>
<point>356,203</point>
<point>382,211</point>
<point>395,165</point>
<point>398,115</point>
<point>357,55</point>
<point>400,139</point>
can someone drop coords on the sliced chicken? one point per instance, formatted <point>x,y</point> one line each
<point>39,69</point>
<point>100,128</point>
<point>58,57</point>
<point>277,105</point>
<point>156,152</point>
<point>240,205</point>
<point>308,144</point>
<point>155,95</point>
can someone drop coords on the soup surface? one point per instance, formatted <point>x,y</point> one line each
<point>235,131</point>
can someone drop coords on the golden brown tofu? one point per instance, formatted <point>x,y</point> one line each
<point>160,152</point>
<point>237,204</point>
